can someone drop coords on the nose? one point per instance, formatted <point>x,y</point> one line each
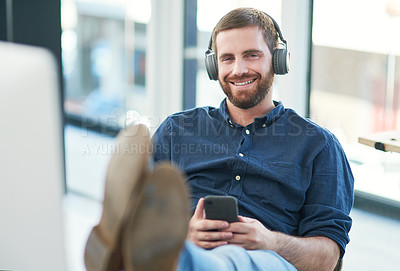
<point>239,67</point>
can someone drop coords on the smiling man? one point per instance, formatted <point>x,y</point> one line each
<point>290,177</point>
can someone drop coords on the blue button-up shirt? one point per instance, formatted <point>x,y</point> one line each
<point>285,171</point>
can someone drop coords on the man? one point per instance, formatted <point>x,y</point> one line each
<point>291,178</point>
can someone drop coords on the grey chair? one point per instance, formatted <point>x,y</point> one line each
<point>339,265</point>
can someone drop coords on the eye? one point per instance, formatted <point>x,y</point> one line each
<point>226,58</point>
<point>253,55</point>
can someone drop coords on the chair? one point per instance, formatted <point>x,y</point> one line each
<point>339,265</point>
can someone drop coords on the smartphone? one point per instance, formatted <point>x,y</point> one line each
<point>221,208</point>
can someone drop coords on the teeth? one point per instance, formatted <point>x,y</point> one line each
<point>244,83</point>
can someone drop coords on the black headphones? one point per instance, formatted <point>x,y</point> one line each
<point>280,56</point>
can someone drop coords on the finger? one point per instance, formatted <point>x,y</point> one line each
<point>237,239</point>
<point>237,227</point>
<point>219,225</point>
<point>211,245</point>
<point>210,225</point>
<point>199,212</point>
<point>214,235</point>
<point>246,219</point>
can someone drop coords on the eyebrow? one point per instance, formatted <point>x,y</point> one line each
<point>243,53</point>
<point>225,55</point>
<point>252,51</point>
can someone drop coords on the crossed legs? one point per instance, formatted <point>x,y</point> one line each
<point>145,211</point>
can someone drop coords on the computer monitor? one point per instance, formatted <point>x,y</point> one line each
<point>31,161</point>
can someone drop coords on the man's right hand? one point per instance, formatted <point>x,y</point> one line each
<point>207,233</point>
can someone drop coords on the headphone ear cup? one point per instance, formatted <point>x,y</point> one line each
<point>281,59</point>
<point>211,64</point>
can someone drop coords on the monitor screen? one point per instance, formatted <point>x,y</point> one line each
<point>31,160</point>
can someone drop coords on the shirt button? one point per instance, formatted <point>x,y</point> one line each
<point>231,125</point>
<point>237,177</point>
<point>241,154</point>
<point>264,125</point>
<point>247,131</point>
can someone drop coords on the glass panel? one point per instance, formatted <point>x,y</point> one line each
<point>355,85</point>
<point>209,92</point>
<point>104,49</point>
<point>104,61</point>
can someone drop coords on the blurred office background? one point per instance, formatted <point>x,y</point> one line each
<point>138,61</point>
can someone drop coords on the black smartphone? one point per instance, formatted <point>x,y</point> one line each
<point>221,208</point>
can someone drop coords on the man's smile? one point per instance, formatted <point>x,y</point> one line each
<point>243,83</point>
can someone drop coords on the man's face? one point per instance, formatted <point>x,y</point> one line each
<point>245,70</point>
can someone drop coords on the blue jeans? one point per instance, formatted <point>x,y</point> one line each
<point>230,257</point>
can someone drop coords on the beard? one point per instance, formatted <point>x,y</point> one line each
<point>248,98</point>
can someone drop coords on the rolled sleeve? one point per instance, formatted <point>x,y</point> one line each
<point>330,196</point>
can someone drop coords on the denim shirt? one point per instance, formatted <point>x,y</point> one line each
<point>285,171</point>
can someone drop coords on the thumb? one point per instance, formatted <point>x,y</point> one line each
<point>246,219</point>
<point>199,212</point>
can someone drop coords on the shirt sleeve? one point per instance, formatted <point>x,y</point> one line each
<point>329,198</point>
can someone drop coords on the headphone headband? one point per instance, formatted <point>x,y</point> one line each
<point>277,28</point>
<point>280,56</point>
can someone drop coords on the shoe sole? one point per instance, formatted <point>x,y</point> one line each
<point>126,175</point>
<point>154,237</point>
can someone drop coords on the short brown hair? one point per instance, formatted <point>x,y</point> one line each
<point>242,17</point>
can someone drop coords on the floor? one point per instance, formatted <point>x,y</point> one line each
<point>375,239</point>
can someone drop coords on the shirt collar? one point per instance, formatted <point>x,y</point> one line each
<point>223,110</point>
<point>264,121</point>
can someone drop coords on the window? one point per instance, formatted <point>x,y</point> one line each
<point>104,63</point>
<point>103,54</point>
<point>355,85</point>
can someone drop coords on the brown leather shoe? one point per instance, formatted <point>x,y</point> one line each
<point>126,175</point>
<point>155,235</point>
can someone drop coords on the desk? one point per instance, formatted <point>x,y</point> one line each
<point>384,141</point>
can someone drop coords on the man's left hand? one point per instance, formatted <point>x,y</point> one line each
<point>250,234</point>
